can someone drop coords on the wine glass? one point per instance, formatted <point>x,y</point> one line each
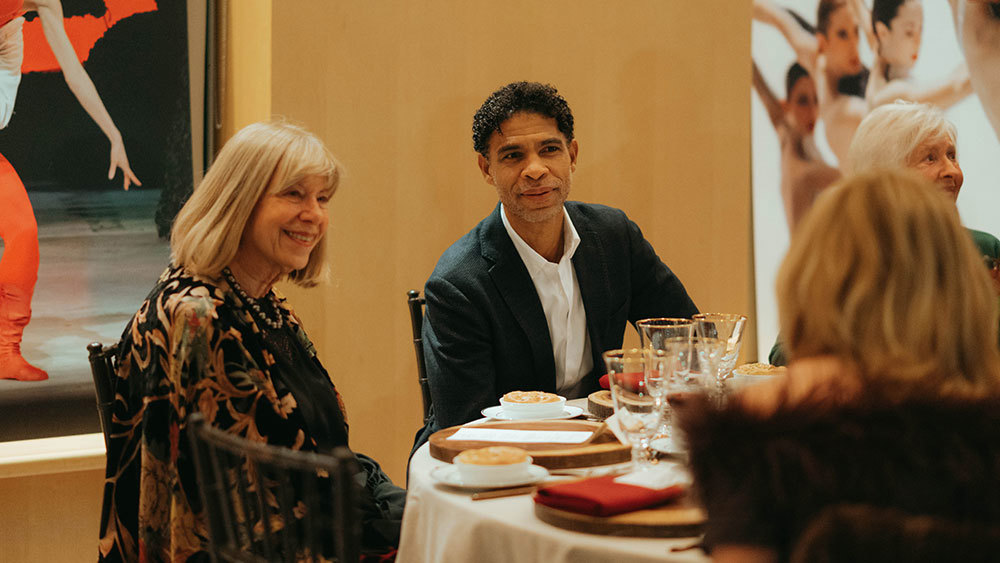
<point>728,328</point>
<point>655,334</point>
<point>636,412</point>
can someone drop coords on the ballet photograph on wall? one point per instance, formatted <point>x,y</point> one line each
<point>96,160</point>
<point>820,67</point>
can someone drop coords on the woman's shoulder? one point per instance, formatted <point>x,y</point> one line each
<point>988,244</point>
<point>179,298</point>
<point>180,291</point>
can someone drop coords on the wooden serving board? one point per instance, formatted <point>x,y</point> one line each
<point>599,404</point>
<point>604,449</point>
<point>677,519</point>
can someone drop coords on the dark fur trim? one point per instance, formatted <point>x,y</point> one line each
<point>763,479</point>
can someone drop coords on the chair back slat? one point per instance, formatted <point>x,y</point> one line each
<point>416,304</point>
<point>103,364</point>
<point>268,503</point>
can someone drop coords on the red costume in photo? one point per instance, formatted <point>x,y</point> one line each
<point>19,264</point>
<point>18,229</point>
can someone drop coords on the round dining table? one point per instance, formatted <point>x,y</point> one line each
<point>443,524</point>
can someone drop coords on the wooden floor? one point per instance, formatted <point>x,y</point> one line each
<point>100,256</point>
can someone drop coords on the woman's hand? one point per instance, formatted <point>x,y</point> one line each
<point>120,160</point>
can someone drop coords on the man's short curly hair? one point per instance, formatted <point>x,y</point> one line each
<point>531,97</point>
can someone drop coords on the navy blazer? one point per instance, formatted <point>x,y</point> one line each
<point>484,329</point>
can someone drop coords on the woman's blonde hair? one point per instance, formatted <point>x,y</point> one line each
<point>889,134</point>
<point>882,273</point>
<point>262,156</point>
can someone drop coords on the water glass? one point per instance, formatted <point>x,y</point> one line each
<point>656,334</point>
<point>635,406</point>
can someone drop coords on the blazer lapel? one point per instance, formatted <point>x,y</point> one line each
<point>518,291</point>
<point>591,264</point>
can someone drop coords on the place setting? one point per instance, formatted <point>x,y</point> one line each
<point>532,405</point>
<point>624,474</point>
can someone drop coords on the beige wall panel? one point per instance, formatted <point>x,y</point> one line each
<point>51,517</point>
<point>659,89</point>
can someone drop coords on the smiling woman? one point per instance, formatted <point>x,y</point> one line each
<point>215,337</point>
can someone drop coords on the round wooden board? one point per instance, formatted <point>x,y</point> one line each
<point>599,404</point>
<point>604,449</point>
<point>677,519</point>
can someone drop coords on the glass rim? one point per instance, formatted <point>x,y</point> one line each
<point>693,339</point>
<point>664,321</point>
<point>718,316</point>
<point>619,353</point>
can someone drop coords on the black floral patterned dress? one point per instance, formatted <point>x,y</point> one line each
<point>193,347</point>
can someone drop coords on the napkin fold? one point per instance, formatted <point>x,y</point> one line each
<point>602,496</point>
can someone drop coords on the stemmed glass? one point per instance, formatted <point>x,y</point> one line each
<point>728,328</point>
<point>656,334</point>
<point>695,363</point>
<point>636,412</point>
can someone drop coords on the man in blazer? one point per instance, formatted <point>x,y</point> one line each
<point>533,295</point>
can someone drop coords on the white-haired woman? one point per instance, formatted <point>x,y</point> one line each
<point>215,337</point>
<point>918,137</point>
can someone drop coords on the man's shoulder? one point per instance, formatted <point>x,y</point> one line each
<point>464,257</point>
<point>598,218</point>
<point>595,211</point>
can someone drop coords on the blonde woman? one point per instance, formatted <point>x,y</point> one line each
<point>892,399</point>
<point>215,337</point>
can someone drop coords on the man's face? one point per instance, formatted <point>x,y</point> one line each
<point>531,165</point>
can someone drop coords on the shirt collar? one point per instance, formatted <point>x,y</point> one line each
<point>534,260</point>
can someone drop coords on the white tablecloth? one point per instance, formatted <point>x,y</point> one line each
<point>443,525</point>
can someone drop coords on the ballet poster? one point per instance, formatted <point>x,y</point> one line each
<point>821,66</point>
<point>96,160</point>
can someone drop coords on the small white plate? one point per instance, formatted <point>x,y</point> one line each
<point>448,475</point>
<point>666,446</point>
<point>498,414</point>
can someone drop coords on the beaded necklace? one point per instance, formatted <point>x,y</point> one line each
<point>255,303</point>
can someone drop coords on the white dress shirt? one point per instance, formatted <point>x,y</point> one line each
<point>559,292</point>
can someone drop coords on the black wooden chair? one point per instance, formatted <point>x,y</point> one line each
<point>103,364</point>
<point>269,503</point>
<point>416,305</point>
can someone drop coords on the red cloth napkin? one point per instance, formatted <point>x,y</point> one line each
<point>633,381</point>
<point>602,496</point>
